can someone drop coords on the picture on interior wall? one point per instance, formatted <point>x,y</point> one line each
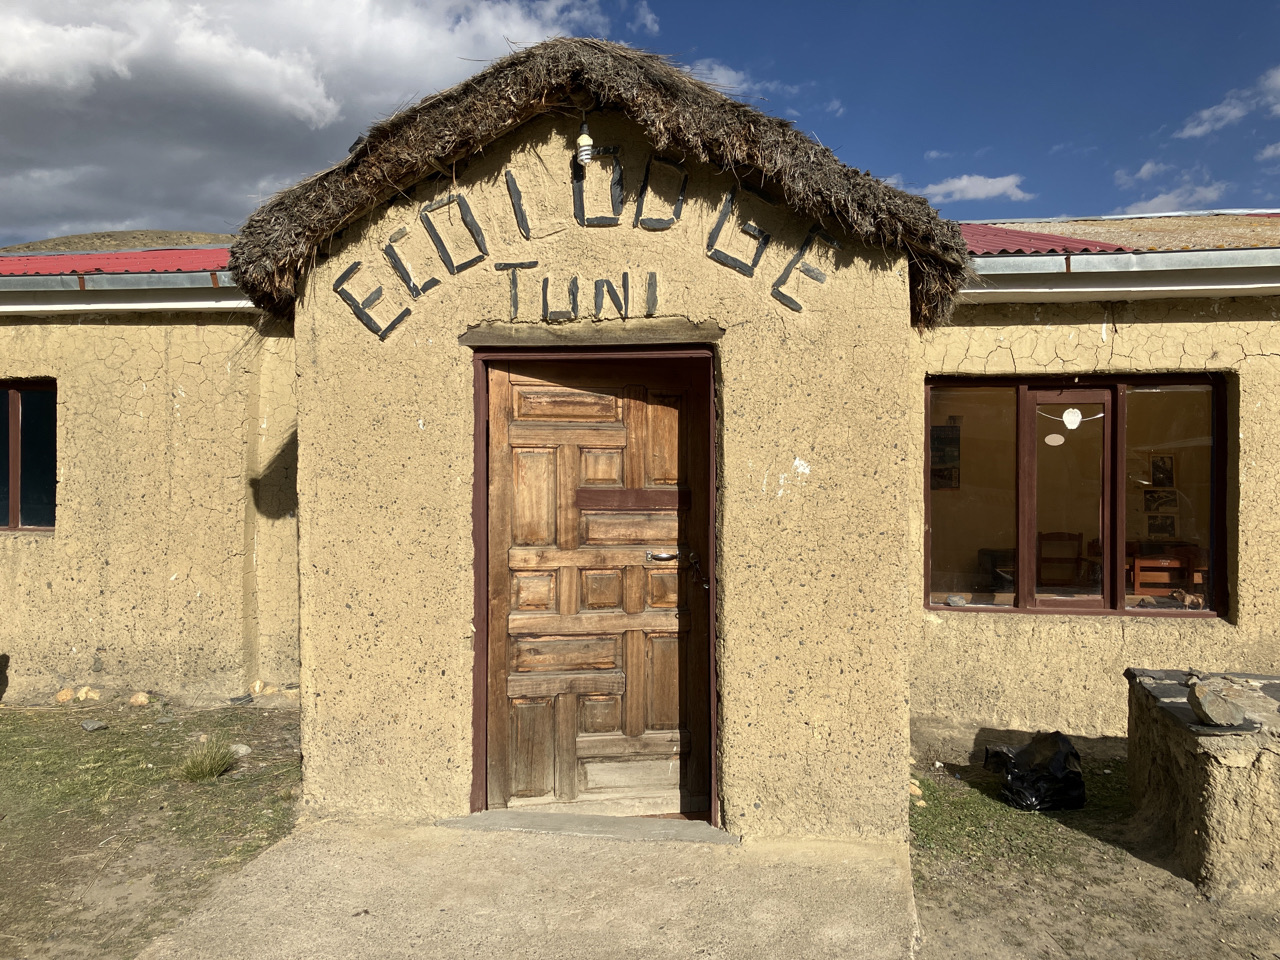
<point>944,456</point>
<point>1162,526</point>
<point>1162,469</point>
<point>1160,501</point>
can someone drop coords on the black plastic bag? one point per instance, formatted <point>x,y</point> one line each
<point>1043,775</point>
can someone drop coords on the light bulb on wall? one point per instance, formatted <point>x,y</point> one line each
<point>585,144</point>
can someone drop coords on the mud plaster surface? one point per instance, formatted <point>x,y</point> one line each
<point>152,570</point>
<point>1214,799</point>
<point>814,480</point>
<point>1031,672</point>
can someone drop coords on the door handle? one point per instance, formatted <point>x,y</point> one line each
<point>650,555</point>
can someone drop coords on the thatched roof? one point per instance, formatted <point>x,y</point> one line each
<point>280,240</point>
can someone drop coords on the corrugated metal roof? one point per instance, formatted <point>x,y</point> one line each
<point>177,260</point>
<point>986,240</point>
<point>1182,231</point>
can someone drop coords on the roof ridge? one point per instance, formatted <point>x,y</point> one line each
<point>279,241</point>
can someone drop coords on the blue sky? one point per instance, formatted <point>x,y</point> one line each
<point>1089,108</point>
<point>170,114</point>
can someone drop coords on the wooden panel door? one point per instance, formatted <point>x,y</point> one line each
<point>599,613</point>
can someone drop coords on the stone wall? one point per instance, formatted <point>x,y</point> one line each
<point>1208,797</point>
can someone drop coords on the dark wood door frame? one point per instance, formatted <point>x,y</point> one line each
<point>480,539</point>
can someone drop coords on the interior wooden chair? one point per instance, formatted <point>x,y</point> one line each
<point>1060,559</point>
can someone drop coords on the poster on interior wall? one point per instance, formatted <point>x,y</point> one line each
<point>944,457</point>
<point>1162,470</point>
<point>1160,501</point>
<point>1162,526</point>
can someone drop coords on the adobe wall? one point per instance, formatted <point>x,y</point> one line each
<point>159,553</point>
<point>814,479</point>
<point>1008,671</point>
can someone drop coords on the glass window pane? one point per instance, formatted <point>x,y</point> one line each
<point>1070,442</point>
<point>38,463</point>
<point>972,502</point>
<point>4,458</point>
<point>1169,467</point>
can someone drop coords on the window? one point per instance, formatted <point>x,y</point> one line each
<point>1092,496</point>
<point>28,454</point>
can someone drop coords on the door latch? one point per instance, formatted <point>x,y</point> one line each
<point>697,572</point>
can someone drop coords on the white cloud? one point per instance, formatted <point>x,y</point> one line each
<point>1236,105</point>
<point>1147,171</point>
<point>835,106</point>
<point>1151,169</point>
<point>1186,197</point>
<point>937,154</point>
<point>737,83</point>
<point>719,75</point>
<point>62,56</point>
<point>645,19</point>
<point>974,187</point>
<point>1269,153</point>
<point>157,41</point>
<point>304,60</point>
<point>1269,87</point>
<point>896,181</point>
<point>174,114</point>
<point>1213,118</point>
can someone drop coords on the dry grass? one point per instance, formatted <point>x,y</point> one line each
<point>103,845</point>
<point>1005,884</point>
<point>207,761</point>
<point>570,77</point>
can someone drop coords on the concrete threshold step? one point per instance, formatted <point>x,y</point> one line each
<point>593,825</point>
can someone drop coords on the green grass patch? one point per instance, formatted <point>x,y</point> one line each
<point>964,827</point>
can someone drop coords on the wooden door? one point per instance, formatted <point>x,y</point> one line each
<point>599,614</point>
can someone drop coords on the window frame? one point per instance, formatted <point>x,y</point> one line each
<point>1113,513</point>
<point>11,513</point>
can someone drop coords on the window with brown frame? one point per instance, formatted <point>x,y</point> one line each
<point>1094,496</point>
<point>28,454</point>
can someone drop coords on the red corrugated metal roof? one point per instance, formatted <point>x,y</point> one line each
<point>985,240</point>
<point>177,260</point>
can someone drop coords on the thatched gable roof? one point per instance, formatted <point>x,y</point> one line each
<point>280,240</point>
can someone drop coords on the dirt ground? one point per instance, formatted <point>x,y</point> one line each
<point>102,846</point>
<point>999,883</point>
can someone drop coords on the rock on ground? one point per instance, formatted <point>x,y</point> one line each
<point>1212,708</point>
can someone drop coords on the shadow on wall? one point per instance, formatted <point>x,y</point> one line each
<point>1094,748</point>
<point>4,674</point>
<point>275,491</point>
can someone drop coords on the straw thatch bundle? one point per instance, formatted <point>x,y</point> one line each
<point>280,240</point>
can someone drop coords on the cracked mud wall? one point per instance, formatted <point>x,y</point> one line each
<point>143,584</point>
<point>1047,671</point>
<point>270,568</point>
<point>814,615</point>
